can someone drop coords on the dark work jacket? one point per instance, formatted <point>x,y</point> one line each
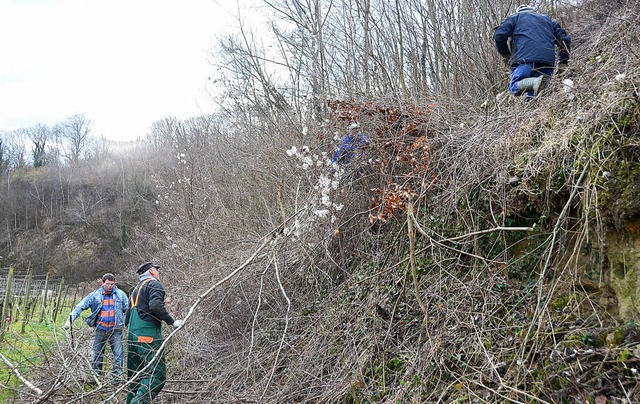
<point>151,306</point>
<point>533,39</point>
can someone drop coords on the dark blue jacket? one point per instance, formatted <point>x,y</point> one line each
<point>347,148</point>
<point>533,39</point>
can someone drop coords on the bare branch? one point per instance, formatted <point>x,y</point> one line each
<point>24,381</point>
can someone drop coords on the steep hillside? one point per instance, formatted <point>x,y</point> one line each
<point>512,280</point>
<point>76,221</point>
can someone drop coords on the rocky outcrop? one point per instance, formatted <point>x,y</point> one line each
<point>623,253</point>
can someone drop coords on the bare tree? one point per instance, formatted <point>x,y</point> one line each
<point>39,135</point>
<point>4,155</point>
<point>75,136</point>
<point>14,149</point>
<point>349,47</point>
<point>163,132</point>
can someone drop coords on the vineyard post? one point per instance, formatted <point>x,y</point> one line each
<point>75,296</point>
<point>44,297</point>
<point>6,310</point>
<point>27,301</point>
<point>57,306</point>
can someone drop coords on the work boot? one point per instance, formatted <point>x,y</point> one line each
<point>536,84</point>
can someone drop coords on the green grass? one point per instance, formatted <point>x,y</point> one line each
<point>26,350</point>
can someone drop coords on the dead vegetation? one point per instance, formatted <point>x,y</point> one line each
<point>508,301</point>
<point>494,289</point>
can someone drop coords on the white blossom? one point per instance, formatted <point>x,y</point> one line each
<point>324,181</point>
<point>307,160</point>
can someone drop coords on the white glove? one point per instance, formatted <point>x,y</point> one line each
<point>177,323</point>
<point>66,325</point>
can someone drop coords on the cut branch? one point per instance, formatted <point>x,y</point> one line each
<point>24,381</point>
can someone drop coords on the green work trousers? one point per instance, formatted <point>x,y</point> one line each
<point>143,341</point>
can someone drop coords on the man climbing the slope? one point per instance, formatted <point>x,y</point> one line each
<point>144,321</point>
<point>527,41</point>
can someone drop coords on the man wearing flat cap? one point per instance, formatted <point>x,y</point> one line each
<point>144,320</point>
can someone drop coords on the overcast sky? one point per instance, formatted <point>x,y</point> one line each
<point>122,63</point>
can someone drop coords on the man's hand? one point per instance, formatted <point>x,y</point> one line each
<point>506,59</point>
<point>177,324</point>
<point>562,68</point>
<point>67,324</point>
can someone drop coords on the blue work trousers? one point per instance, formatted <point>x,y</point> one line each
<point>524,71</point>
